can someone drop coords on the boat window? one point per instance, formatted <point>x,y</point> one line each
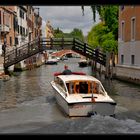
<point>101,90</point>
<point>68,87</point>
<point>71,89</point>
<point>83,87</point>
<point>94,87</point>
<point>61,84</point>
<point>77,88</point>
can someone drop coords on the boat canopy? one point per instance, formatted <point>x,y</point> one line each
<point>80,85</point>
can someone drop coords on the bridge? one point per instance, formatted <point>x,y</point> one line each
<point>63,53</point>
<point>42,44</point>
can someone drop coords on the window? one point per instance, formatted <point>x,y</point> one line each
<point>18,29</point>
<point>83,87</point>
<point>122,59</point>
<point>10,41</point>
<point>132,59</point>
<point>122,30</point>
<point>0,17</point>
<point>16,40</point>
<point>6,18</point>
<point>23,31</point>
<point>15,23</point>
<point>133,25</point>
<point>21,14</point>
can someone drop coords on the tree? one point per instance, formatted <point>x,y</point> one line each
<point>58,33</point>
<point>77,33</point>
<point>108,14</point>
<point>100,36</point>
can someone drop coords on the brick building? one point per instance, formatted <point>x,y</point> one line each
<point>129,43</point>
<point>7,28</point>
<point>18,26</point>
<point>49,30</point>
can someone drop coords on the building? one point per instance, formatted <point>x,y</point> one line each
<point>18,25</point>
<point>7,26</point>
<point>128,67</point>
<point>49,30</point>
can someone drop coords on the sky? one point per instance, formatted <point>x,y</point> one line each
<point>67,17</point>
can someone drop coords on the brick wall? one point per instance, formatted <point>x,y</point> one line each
<point>126,14</point>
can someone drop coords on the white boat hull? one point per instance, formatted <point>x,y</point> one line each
<point>84,108</point>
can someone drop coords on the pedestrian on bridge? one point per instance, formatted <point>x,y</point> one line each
<point>4,48</point>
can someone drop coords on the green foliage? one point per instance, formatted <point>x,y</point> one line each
<point>100,36</point>
<point>109,43</point>
<point>110,16</point>
<point>77,33</point>
<point>58,33</point>
<point>104,35</point>
<point>95,35</point>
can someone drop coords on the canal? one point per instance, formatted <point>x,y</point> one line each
<point>27,105</point>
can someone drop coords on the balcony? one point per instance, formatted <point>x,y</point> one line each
<point>4,28</point>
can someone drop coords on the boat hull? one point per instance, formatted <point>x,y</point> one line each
<point>84,108</point>
<point>51,63</point>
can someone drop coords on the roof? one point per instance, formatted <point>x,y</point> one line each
<point>72,77</point>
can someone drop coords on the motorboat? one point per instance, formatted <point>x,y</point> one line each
<point>79,94</point>
<point>52,60</point>
<point>83,63</point>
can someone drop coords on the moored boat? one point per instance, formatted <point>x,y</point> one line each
<point>83,63</point>
<point>51,60</point>
<point>79,94</point>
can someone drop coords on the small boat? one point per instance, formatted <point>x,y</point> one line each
<point>79,94</point>
<point>64,58</point>
<point>83,63</point>
<point>51,61</point>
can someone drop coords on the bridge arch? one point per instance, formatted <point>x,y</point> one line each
<point>62,53</point>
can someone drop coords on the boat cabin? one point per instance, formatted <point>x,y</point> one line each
<point>80,86</point>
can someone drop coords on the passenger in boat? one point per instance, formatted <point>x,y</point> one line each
<point>66,70</point>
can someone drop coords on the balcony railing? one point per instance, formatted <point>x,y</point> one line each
<point>4,28</point>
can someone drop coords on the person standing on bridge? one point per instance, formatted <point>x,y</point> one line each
<point>66,70</point>
<point>4,48</point>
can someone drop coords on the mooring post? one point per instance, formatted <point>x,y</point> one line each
<point>62,43</point>
<point>107,67</point>
<point>112,65</point>
<point>85,48</point>
<point>51,40</point>
<point>73,47</point>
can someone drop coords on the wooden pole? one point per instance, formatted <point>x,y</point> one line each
<point>107,65</point>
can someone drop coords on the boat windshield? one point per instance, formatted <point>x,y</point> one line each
<point>84,87</point>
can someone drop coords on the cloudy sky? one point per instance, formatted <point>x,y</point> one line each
<point>67,18</point>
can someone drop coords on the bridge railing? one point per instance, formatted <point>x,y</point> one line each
<point>20,53</point>
<point>56,43</point>
<point>40,44</point>
<point>88,51</point>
